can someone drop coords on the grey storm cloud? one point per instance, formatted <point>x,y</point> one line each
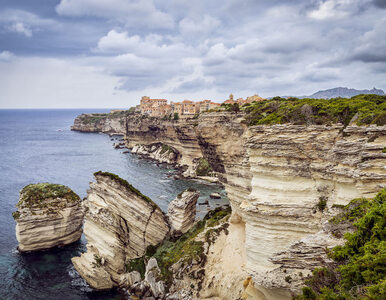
<point>276,47</point>
<point>380,3</point>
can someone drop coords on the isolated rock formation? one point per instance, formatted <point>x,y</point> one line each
<point>182,210</point>
<point>48,215</point>
<point>157,151</point>
<point>120,224</point>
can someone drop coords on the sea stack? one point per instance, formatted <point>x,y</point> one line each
<point>182,210</point>
<point>48,215</point>
<point>120,224</point>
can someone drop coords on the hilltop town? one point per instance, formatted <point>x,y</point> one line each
<point>186,108</point>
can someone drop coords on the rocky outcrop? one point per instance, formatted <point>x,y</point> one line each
<point>157,151</point>
<point>120,224</point>
<point>194,266</point>
<point>112,123</point>
<point>48,215</point>
<point>182,211</point>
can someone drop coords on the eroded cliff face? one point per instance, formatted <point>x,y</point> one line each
<point>113,123</point>
<point>48,215</point>
<point>283,182</point>
<point>280,177</point>
<point>119,224</point>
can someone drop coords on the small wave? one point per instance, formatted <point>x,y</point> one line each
<point>15,251</point>
<point>77,281</point>
<point>163,196</point>
<point>164,180</point>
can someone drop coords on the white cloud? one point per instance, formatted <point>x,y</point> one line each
<point>20,27</point>
<point>336,9</point>
<point>6,56</point>
<point>23,22</point>
<point>198,27</point>
<point>133,13</point>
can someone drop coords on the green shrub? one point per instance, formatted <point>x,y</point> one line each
<point>16,215</point>
<point>322,203</point>
<point>35,194</point>
<point>368,109</point>
<point>360,269</point>
<point>185,249</point>
<point>203,167</point>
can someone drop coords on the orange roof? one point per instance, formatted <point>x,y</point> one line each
<point>187,101</point>
<point>229,101</point>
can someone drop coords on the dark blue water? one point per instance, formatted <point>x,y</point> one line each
<point>38,146</point>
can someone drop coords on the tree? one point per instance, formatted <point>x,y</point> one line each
<point>176,116</point>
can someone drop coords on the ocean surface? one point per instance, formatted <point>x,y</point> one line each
<point>38,146</point>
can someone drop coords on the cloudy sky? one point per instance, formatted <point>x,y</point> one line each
<point>108,53</point>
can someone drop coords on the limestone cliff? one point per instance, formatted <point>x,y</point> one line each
<point>48,215</point>
<point>283,183</point>
<point>112,123</point>
<point>120,224</point>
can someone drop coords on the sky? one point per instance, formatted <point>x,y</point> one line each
<point>109,53</point>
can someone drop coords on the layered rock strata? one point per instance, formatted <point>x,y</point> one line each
<point>283,181</point>
<point>120,224</point>
<point>182,211</point>
<point>113,123</point>
<point>48,215</point>
<point>157,151</point>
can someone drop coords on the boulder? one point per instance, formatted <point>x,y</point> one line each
<point>215,196</point>
<point>48,215</point>
<point>182,210</point>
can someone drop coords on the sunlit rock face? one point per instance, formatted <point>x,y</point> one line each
<point>283,182</point>
<point>120,224</point>
<point>48,215</point>
<point>182,211</point>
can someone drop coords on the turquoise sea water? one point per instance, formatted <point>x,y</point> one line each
<point>38,146</point>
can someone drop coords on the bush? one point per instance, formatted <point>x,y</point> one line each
<point>368,109</point>
<point>360,269</point>
<point>35,194</point>
<point>203,167</point>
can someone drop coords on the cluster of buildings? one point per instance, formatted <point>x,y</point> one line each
<point>186,108</point>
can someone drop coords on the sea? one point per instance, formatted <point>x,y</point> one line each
<point>38,146</point>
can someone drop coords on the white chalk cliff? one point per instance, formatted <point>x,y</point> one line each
<point>283,182</point>
<point>120,224</point>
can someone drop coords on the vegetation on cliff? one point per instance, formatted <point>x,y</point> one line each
<point>37,194</point>
<point>359,271</point>
<point>127,185</point>
<point>203,167</point>
<point>184,250</point>
<point>365,109</point>
<point>97,117</point>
